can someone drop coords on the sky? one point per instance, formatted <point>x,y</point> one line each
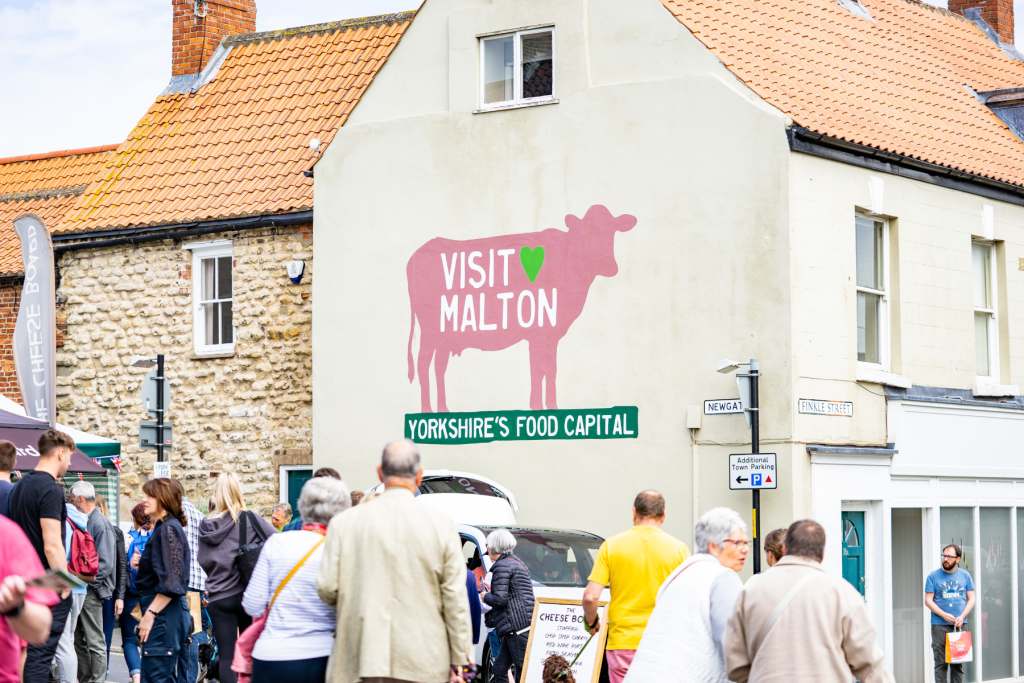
<point>79,73</point>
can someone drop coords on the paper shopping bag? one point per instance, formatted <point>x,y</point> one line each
<point>959,648</point>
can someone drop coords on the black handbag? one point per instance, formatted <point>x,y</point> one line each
<point>248,553</point>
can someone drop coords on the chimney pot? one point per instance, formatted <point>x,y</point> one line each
<point>997,13</point>
<point>198,26</point>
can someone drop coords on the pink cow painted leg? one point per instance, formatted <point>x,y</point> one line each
<point>550,373</point>
<point>426,353</point>
<point>536,377</point>
<point>440,367</point>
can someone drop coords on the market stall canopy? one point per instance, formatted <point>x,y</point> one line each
<point>91,445</point>
<point>24,433</point>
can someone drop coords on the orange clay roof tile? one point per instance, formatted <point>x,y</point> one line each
<point>902,82</point>
<point>46,185</point>
<point>239,144</point>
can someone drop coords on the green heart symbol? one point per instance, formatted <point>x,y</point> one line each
<point>532,260</point>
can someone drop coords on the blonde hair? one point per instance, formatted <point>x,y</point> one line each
<point>226,496</point>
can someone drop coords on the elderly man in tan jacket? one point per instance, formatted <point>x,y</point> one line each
<point>395,571</point>
<point>795,623</point>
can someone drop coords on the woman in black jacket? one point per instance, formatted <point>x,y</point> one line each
<point>511,600</point>
<point>162,582</point>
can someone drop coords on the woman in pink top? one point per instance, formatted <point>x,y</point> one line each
<point>24,612</point>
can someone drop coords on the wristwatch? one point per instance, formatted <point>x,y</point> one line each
<point>15,611</point>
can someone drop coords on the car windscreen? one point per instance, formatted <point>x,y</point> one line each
<point>459,485</point>
<point>557,558</point>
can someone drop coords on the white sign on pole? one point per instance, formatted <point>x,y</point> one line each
<point>810,406</point>
<point>749,471</point>
<point>557,629</point>
<point>723,406</point>
<point>162,470</point>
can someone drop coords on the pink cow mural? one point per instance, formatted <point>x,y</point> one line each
<point>494,292</point>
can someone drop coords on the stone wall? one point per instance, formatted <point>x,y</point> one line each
<point>246,413</point>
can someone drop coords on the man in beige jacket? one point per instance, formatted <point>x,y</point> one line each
<point>395,571</point>
<point>795,623</point>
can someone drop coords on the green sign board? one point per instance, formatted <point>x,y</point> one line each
<point>620,422</point>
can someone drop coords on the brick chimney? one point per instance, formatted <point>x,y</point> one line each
<point>997,13</point>
<point>199,25</point>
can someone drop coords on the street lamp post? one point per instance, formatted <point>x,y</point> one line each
<point>751,407</point>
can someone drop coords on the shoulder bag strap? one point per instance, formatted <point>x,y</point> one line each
<point>295,570</point>
<point>257,527</point>
<point>780,607</point>
<point>243,529</point>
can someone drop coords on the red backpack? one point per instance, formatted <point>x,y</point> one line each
<point>84,559</point>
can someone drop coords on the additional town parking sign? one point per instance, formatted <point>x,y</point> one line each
<point>723,406</point>
<point>748,471</point>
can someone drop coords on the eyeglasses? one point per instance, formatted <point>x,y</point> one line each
<point>737,543</point>
<point>949,557</point>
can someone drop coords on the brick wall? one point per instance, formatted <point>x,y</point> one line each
<point>10,296</point>
<point>194,39</point>
<point>997,13</point>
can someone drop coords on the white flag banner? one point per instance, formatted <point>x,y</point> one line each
<point>35,334</point>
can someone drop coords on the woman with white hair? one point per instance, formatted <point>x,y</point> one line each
<point>511,601</point>
<point>684,636</point>
<point>299,631</point>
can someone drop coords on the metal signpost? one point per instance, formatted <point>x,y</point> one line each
<point>156,398</point>
<point>755,447</point>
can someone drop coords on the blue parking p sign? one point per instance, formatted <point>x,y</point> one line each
<point>755,480</point>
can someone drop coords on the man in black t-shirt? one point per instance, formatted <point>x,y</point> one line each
<point>36,504</point>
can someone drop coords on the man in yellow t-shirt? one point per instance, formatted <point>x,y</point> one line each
<point>633,566</point>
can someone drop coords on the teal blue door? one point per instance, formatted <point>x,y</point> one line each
<point>296,478</point>
<point>853,549</point>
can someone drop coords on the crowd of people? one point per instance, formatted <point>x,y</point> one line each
<point>344,591</point>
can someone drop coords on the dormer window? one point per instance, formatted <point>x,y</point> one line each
<point>1008,105</point>
<point>517,69</point>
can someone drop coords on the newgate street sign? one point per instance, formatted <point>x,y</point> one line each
<point>723,406</point>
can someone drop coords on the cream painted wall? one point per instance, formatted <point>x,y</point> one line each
<point>648,123</point>
<point>933,315</point>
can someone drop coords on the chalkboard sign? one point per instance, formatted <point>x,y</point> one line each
<point>557,629</point>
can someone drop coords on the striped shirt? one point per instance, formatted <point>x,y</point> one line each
<point>300,625</point>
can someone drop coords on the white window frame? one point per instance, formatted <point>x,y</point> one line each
<point>884,319</point>
<point>992,311</point>
<point>517,69</point>
<point>200,252</point>
<point>282,482</point>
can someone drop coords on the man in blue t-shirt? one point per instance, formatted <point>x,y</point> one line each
<point>949,594</point>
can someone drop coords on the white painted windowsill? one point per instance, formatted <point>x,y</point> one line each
<point>989,388</point>
<point>487,108</point>
<point>210,355</point>
<point>867,372</point>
